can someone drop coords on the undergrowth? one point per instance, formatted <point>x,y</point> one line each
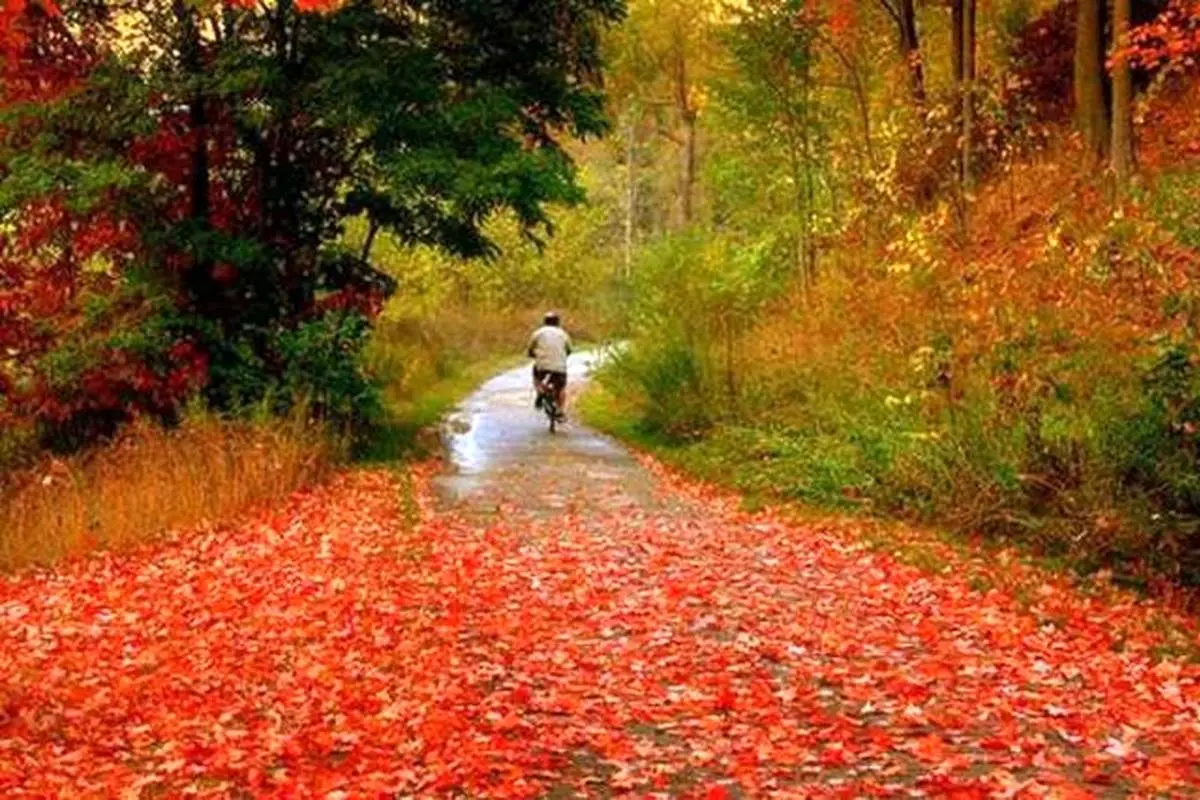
<point>151,480</point>
<point>1037,384</point>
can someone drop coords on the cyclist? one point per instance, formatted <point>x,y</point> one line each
<point>549,347</point>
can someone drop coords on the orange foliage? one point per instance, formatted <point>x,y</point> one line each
<point>1045,259</point>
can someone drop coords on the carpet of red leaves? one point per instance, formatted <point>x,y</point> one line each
<point>328,648</point>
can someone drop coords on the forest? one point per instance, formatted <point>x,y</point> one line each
<point>913,259</point>
<point>880,470</point>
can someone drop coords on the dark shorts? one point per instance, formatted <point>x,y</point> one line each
<point>557,380</point>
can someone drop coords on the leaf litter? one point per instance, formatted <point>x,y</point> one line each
<point>329,648</point>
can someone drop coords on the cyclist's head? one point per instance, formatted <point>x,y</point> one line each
<point>552,318</point>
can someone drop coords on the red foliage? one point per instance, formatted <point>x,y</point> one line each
<point>53,258</point>
<point>168,152</point>
<point>1042,56</point>
<point>47,266</point>
<point>40,59</point>
<point>1172,39</point>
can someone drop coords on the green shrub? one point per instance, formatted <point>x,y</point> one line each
<point>322,366</point>
<point>1173,200</point>
<point>668,379</point>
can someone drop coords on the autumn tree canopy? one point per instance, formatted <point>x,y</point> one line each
<point>175,178</point>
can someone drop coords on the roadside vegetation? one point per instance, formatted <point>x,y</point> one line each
<point>223,276</point>
<point>910,270</point>
<point>151,480</point>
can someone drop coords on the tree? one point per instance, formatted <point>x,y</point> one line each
<point>236,139</point>
<point>1091,90</point>
<point>773,96</point>
<point>904,13</point>
<point>1122,95</point>
<point>661,60</point>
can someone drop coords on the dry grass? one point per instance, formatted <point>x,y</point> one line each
<point>152,481</point>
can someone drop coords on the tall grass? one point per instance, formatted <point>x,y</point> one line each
<point>152,480</point>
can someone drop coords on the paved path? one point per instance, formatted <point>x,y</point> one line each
<point>502,455</point>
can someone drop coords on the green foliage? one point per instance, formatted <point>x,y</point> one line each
<point>321,361</point>
<point>317,365</point>
<point>1173,200</point>
<point>691,298</point>
<point>1099,468</point>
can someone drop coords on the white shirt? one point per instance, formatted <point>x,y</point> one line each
<point>549,347</point>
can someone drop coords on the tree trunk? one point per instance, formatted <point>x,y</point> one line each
<point>910,46</point>
<point>630,193</point>
<point>369,242</point>
<point>1091,104</point>
<point>730,372</point>
<point>956,42</point>
<point>797,168</point>
<point>199,277</point>
<point>968,94</point>
<point>687,118</point>
<point>1122,100</point>
<point>810,192</point>
<point>863,102</point>
<point>687,189</point>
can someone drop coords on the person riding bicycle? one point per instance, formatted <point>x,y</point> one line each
<point>549,347</point>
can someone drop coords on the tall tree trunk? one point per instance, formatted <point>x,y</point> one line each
<point>688,181</point>
<point>796,163</point>
<point>1122,100</point>
<point>1091,104</point>
<point>968,94</point>
<point>287,184</point>
<point>956,43</point>
<point>199,276</point>
<point>810,192</point>
<point>910,46</point>
<point>687,119</point>
<point>630,192</point>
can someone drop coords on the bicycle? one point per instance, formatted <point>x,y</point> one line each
<point>548,402</point>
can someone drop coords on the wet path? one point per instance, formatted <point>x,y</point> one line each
<point>501,454</point>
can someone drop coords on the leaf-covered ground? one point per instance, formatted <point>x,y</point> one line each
<point>333,648</point>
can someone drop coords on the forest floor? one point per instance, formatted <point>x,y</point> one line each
<point>553,616</point>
